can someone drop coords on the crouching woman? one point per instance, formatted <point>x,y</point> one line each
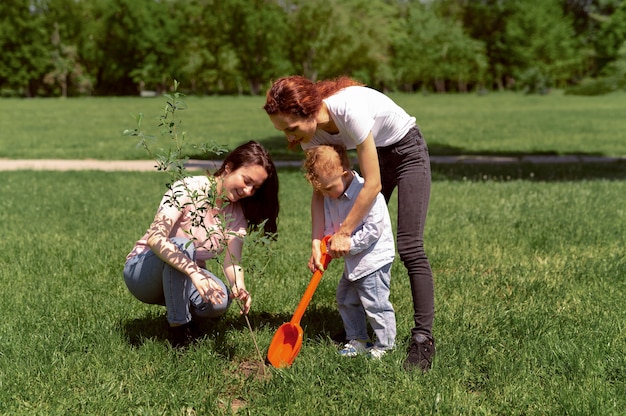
<point>198,218</point>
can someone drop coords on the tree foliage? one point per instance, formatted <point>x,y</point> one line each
<point>433,53</point>
<point>117,47</point>
<point>542,45</point>
<point>25,45</point>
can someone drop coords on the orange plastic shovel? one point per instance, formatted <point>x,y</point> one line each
<point>287,340</point>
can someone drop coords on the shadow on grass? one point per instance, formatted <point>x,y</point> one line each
<point>437,149</point>
<point>277,147</point>
<point>138,330</point>
<point>568,169</point>
<point>540,172</point>
<point>318,322</point>
<point>560,170</point>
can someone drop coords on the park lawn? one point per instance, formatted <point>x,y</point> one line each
<point>530,309</point>
<point>515,124</point>
<point>496,123</point>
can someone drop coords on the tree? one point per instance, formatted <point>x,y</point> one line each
<point>136,45</point>
<point>209,62</point>
<point>587,16</point>
<point>331,38</point>
<point>209,67</point>
<point>121,47</point>
<point>434,51</point>
<point>485,20</point>
<point>542,44</point>
<point>259,35</point>
<point>368,58</point>
<point>25,47</point>
<point>67,71</point>
<point>611,37</point>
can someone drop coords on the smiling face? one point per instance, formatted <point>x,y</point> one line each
<point>297,130</point>
<point>241,183</point>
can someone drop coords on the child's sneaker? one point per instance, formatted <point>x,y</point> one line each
<point>355,347</point>
<point>376,353</point>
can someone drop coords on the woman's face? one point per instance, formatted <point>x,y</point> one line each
<point>243,182</point>
<point>298,130</point>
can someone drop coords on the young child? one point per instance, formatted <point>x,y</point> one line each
<point>363,291</point>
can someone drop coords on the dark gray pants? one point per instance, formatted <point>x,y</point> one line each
<point>406,165</point>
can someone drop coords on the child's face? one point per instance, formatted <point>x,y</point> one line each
<point>332,185</point>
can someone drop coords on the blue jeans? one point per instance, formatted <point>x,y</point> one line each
<point>153,281</point>
<point>406,165</point>
<point>367,300</point>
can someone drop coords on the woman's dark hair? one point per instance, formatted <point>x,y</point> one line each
<point>263,204</point>
<point>299,96</point>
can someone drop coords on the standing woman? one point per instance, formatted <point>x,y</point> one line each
<point>197,219</point>
<point>390,147</point>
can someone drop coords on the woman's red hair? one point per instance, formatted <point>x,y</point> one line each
<point>299,96</point>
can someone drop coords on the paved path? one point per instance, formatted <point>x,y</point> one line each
<point>148,165</point>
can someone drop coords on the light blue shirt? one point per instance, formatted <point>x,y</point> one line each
<point>371,243</point>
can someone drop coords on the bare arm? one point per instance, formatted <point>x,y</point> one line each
<point>158,240</point>
<point>368,162</point>
<point>317,230</point>
<point>234,274</point>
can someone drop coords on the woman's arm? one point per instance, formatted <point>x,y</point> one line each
<point>370,170</point>
<point>158,240</point>
<point>234,273</point>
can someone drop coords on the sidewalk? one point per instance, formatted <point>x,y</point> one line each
<point>148,165</point>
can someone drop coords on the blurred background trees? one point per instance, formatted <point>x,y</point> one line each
<point>126,47</point>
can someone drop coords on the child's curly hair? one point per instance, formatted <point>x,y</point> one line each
<point>323,160</point>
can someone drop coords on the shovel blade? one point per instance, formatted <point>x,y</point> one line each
<point>285,345</point>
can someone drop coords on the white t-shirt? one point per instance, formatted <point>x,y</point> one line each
<point>358,110</point>
<point>194,219</point>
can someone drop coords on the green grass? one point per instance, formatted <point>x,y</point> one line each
<point>506,124</point>
<point>529,296</point>
<point>92,127</point>
<point>512,124</point>
<point>528,260</point>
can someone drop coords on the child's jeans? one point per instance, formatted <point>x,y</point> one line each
<point>368,298</point>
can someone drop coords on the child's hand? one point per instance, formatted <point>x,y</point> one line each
<point>315,261</point>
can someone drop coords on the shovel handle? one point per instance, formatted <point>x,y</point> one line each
<point>315,280</point>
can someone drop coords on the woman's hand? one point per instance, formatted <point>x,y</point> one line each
<point>234,274</point>
<point>339,245</point>
<point>245,301</point>
<point>209,289</point>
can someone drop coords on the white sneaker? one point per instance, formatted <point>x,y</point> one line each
<point>376,353</point>
<point>355,347</point>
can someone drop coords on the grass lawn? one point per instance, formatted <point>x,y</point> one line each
<point>529,267</point>
<point>529,297</point>
<point>502,124</point>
